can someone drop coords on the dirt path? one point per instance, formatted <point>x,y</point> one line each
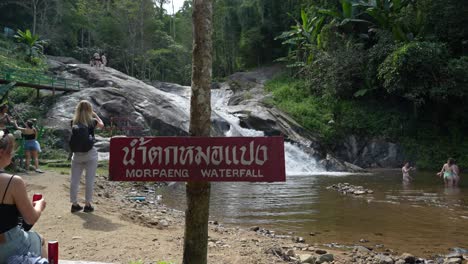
<point>119,234</point>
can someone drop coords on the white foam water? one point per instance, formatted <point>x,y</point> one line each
<point>298,162</point>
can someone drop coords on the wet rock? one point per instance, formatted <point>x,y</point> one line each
<point>325,258</point>
<point>320,251</point>
<point>275,251</point>
<point>349,189</point>
<point>460,250</point>
<point>299,239</point>
<point>331,163</point>
<point>454,255</point>
<point>408,258</point>
<point>290,253</point>
<point>453,261</point>
<point>306,258</point>
<point>163,224</point>
<point>370,152</point>
<point>383,259</point>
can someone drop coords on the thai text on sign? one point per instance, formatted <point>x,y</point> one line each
<point>256,159</point>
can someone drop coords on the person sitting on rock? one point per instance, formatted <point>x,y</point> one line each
<point>96,60</point>
<point>14,240</point>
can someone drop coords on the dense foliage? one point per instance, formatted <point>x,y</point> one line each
<point>391,68</point>
<point>140,38</point>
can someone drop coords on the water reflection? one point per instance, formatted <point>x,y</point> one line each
<point>422,217</point>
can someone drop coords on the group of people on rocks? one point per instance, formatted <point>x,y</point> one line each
<point>450,173</point>
<point>15,240</point>
<point>98,61</point>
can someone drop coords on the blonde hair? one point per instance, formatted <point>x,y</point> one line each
<point>83,113</point>
<point>7,142</point>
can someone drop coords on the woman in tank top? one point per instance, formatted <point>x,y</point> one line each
<point>31,145</point>
<point>14,203</point>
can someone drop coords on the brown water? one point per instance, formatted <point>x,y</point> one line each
<point>423,218</point>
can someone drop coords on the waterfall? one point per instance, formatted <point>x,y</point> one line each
<point>298,162</point>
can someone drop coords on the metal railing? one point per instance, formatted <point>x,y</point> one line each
<point>37,78</point>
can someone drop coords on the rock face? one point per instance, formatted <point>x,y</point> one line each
<point>136,108</point>
<point>120,98</point>
<point>132,107</point>
<point>370,152</point>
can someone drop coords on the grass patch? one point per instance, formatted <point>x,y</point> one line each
<point>63,167</point>
<point>290,96</point>
<point>11,58</point>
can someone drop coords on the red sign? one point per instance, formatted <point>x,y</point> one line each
<point>253,159</point>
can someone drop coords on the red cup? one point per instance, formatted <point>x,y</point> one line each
<point>52,250</point>
<point>37,197</point>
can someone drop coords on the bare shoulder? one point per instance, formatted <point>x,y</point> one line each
<point>17,180</point>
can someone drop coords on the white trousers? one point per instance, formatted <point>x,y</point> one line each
<point>87,161</point>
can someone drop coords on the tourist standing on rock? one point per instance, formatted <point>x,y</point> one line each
<point>13,204</point>
<point>406,170</point>
<point>447,172</point>
<point>31,145</point>
<point>85,156</point>
<point>5,119</point>
<point>103,60</point>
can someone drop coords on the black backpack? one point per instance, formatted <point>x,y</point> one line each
<point>82,138</point>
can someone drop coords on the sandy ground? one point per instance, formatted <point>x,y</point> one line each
<point>118,233</point>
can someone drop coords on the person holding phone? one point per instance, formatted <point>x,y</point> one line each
<point>14,204</point>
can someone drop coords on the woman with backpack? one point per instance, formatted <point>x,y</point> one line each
<point>85,156</point>
<point>31,145</point>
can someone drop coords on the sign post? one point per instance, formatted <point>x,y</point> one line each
<point>198,161</point>
<point>252,159</point>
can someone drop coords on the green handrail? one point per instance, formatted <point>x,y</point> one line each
<point>38,78</point>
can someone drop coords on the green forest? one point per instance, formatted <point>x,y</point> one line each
<point>395,69</point>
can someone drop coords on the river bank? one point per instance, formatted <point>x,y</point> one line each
<point>123,229</point>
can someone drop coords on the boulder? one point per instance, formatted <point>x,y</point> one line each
<point>306,258</point>
<point>370,152</point>
<point>408,258</point>
<point>325,258</point>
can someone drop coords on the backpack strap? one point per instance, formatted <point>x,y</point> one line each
<point>6,189</point>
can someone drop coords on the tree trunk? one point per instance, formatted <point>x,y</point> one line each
<point>34,7</point>
<point>198,193</point>
<point>173,21</point>
<point>142,37</point>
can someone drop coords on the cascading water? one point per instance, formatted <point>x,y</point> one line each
<point>298,162</point>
